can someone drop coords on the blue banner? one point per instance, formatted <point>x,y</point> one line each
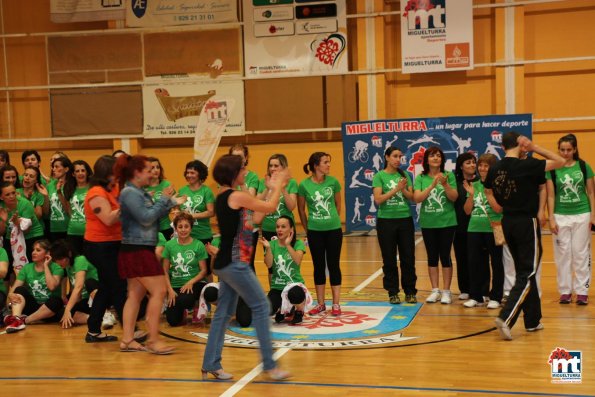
<point>364,144</point>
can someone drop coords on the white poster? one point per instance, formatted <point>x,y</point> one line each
<point>63,11</point>
<point>436,35</point>
<point>294,38</point>
<point>173,109</point>
<point>211,124</point>
<point>145,13</point>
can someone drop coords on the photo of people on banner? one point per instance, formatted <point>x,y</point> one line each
<point>365,142</point>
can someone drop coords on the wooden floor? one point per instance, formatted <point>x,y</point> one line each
<point>464,360</point>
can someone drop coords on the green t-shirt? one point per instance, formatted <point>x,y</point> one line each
<point>251,180</point>
<point>269,221</point>
<point>285,270</point>
<point>81,264</point>
<point>25,210</point>
<point>36,281</point>
<point>320,201</point>
<point>3,258</point>
<point>156,192</point>
<point>436,210</point>
<point>184,260</point>
<point>78,221</point>
<point>161,240</point>
<point>196,202</point>
<point>36,198</point>
<point>479,221</point>
<point>397,206</point>
<point>571,193</point>
<point>58,216</point>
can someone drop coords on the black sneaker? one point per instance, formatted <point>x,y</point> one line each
<point>90,338</point>
<point>279,318</point>
<point>394,299</point>
<point>298,317</point>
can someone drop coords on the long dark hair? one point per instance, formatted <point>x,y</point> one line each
<point>387,153</point>
<point>69,180</point>
<point>314,160</point>
<point>291,225</point>
<point>427,153</point>
<point>570,138</point>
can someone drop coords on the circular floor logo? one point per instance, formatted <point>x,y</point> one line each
<point>361,325</point>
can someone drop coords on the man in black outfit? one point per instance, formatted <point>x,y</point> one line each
<point>515,185</point>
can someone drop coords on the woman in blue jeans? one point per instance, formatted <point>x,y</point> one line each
<point>232,264</point>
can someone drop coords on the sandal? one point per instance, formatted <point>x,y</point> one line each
<point>140,336</point>
<point>158,348</point>
<point>137,347</point>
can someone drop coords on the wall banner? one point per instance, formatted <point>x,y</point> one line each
<point>144,13</point>
<point>364,144</point>
<point>64,11</point>
<point>436,35</point>
<point>294,38</point>
<point>211,124</point>
<point>172,109</point>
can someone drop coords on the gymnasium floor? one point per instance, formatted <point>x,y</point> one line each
<point>443,350</point>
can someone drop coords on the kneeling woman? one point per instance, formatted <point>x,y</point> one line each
<point>185,266</point>
<point>284,256</point>
<point>83,279</point>
<point>35,295</point>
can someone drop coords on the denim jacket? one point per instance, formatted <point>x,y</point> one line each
<point>140,215</point>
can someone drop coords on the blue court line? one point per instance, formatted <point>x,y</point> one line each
<point>337,385</point>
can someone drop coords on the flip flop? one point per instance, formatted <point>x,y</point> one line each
<point>162,352</point>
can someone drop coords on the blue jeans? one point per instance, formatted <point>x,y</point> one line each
<point>238,279</point>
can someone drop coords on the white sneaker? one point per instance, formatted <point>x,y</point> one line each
<point>472,303</point>
<point>434,296</point>
<point>463,296</point>
<point>503,329</point>
<point>493,304</point>
<point>446,297</point>
<point>109,320</point>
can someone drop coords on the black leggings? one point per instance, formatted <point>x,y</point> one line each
<point>2,297</point>
<point>438,244</point>
<point>461,256</point>
<point>184,301</point>
<point>53,303</point>
<point>398,234</point>
<point>325,248</point>
<point>481,249</point>
<point>112,288</point>
<point>209,259</point>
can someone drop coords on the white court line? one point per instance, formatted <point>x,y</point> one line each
<point>377,273</point>
<point>239,385</point>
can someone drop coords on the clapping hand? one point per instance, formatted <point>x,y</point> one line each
<point>265,243</point>
<point>468,187</point>
<point>280,178</point>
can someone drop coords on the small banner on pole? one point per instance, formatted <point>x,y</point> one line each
<point>210,127</point>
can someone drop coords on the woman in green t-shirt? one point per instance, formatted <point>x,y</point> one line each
<point>36,293</point>
<point>393,191</point>
<point>436,190</point>
<point>321,194</point>
<point>14,209</point>
<point>83,279</point>
<point>283,255</point>
<point>571,206</point>
<point>185,267</point>
<point>287,201</point>
<point>34,191</point>
<point>481,247</point>
<point>60,189</point>
<point>75,208</point>
<point>155,189</point>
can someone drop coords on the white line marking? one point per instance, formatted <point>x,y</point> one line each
<point>239,385</point>
<point>377,273</point>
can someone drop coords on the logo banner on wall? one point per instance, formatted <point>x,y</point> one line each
<point>172,109</point>
<point>64,11</point>
<point>211,124</point>
<point>286,39</point>
<point>179,12</point>
<point>364,144</point>
<point>436,35</point>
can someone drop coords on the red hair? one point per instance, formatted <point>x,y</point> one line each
<point>126,165</point>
